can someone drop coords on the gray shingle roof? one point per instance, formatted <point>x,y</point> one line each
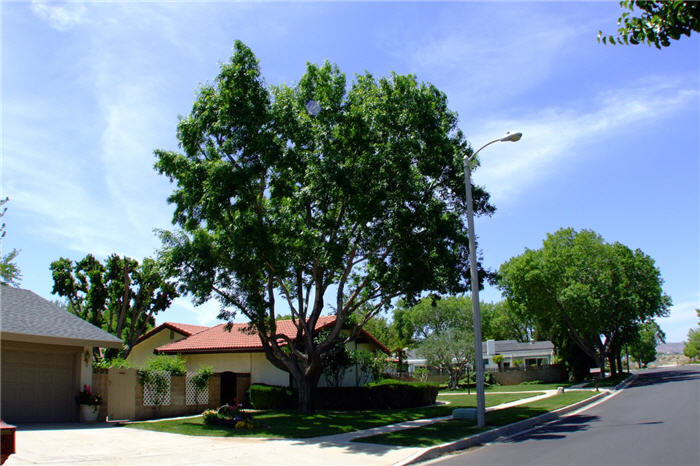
<point>24,312</point>
<point>512,346</point>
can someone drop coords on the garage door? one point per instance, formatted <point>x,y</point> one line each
<point>38,386</point>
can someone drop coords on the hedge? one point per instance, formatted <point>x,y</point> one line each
<point>385,394</point>
<point>271,397</point>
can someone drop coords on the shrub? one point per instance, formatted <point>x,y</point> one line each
<point>228,416</point>
<point>114,362</point>
<point>176,365</point>
<point>396,394</point>
<point>271,397</point>
<point>201,378</point>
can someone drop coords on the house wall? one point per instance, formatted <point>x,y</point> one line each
<point>143,351</point>
<point>255,364</point>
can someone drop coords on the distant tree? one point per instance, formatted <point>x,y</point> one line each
<point>643,346</point>
<point>505,321</point>
<point>10,274</point>
<point>384,331</point>
<point>658,24</point>
<point>452,351</point>
<point>432,315</point>
<point>360,201</point>
<point>691,348</point>
<point>120,296</point>
<point>579,288</point>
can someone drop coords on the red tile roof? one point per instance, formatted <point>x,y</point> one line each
<point>184,329</point>
<point>218,340</point>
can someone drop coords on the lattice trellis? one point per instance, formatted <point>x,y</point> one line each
<point>194,396</point>
<point>151,395</point>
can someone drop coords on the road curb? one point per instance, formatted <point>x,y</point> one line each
<point>493,434</point>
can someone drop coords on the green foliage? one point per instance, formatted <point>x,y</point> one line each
<point>582,291</point>
<point>498,360</point>
<point>270,201</point>
<point>643,346</point>
<point>271,397</point>
<point>691,348</point>
<point>176,365</point>
<point>384,331</point>
<point>10,274</point>
<point>201,378</point>
<point>107,363</point>
<point>336,361</point>
<point>421,373</point>
<point>432,315</point>
<point>517,362</point>
<point>658,24</point>
<point>451,350</point>
<point>506,320</point>
<point>120,296</point>
<point>371,366</point>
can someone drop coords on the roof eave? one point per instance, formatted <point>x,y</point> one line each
<point>55,340</point>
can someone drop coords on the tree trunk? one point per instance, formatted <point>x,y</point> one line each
<point>306,387</point>
<point>618,356</point>
<point>613,366</point>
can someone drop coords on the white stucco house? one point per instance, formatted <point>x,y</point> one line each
<point>236,355</point>
<point>45,358</point>
<point>536,353</point>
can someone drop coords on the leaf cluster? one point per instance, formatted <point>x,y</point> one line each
<point>659,22</point>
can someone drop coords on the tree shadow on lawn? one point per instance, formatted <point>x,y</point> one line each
<point>555,430</point>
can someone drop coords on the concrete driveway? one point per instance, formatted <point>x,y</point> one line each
<point>78,444</point>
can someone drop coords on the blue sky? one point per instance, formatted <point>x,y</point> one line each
<point>610,142</point>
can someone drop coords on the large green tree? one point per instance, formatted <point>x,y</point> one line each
<point>120,296</point>
<point>657,23</point>
<point>339,211</point>
<point>594,292</point>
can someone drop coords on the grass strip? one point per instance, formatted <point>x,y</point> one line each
<point>292,424</point>
<point>449,431</point>
<point>523,387</point>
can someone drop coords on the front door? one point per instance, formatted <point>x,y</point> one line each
<point>228,387</point>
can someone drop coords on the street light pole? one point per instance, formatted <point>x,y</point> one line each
<point>478,353</point>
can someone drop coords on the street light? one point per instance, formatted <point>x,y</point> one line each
<point>478,354</point>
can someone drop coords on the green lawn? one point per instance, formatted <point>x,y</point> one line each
<point>514,388</point>
<point>291,424</point>
<point>448,431</point>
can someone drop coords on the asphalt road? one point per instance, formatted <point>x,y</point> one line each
<point>655,421</point>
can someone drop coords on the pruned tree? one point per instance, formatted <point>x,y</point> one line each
<point>120,296</point>
<point>451,351</point>
<point>362,200</point>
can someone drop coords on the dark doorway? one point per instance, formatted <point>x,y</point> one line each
<point>228,387</point>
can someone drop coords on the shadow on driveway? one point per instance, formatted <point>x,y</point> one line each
<point>556,430</point>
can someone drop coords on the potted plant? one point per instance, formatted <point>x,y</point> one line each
<point>89,404</point>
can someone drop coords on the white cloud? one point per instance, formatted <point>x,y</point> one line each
<point>60,16</point>
<point>552,136</point>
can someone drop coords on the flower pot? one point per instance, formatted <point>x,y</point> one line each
<point>89,413</point>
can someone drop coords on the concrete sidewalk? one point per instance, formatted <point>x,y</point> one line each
<point>80,444</point>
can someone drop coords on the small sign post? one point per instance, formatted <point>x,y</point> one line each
<point>595,372</point>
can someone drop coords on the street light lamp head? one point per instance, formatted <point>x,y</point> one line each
<point>511,137</point>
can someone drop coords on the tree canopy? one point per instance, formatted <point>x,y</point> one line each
<point>658,23</point>
<point>586,291</point>
<point>120,296</point>
<point>275,203</point>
